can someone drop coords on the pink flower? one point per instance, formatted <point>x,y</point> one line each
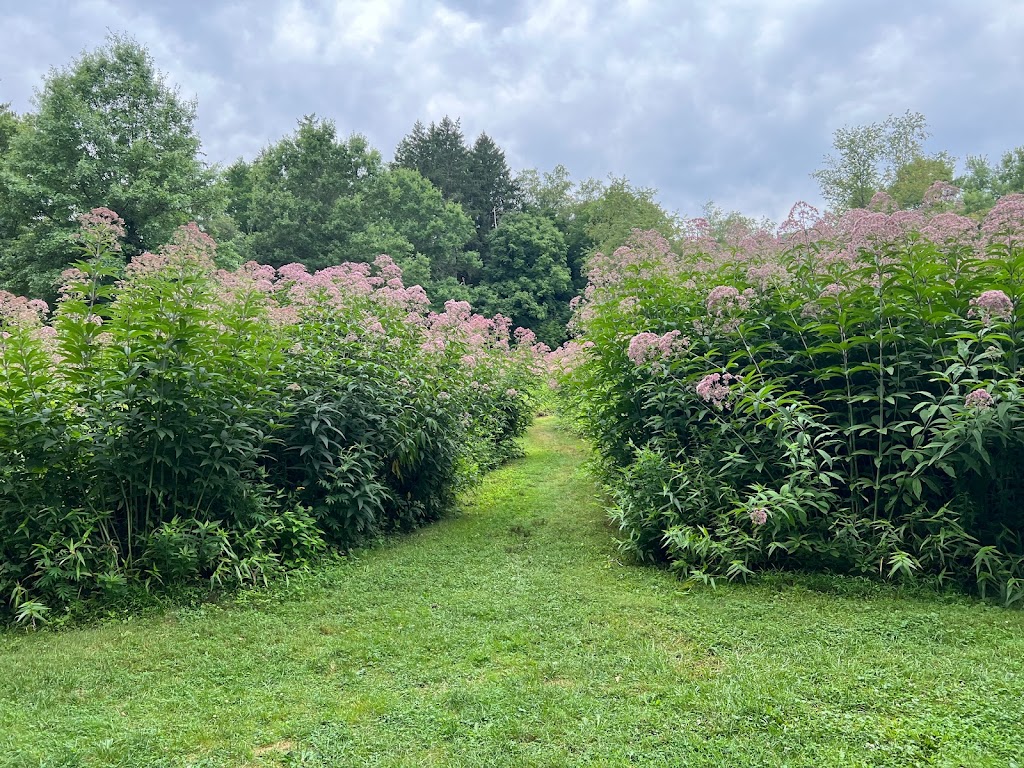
<point>714,388</point>
<point>991,304</point>
<point>102,229</point>
<point>979,399</point>
<point>1006,219</point>
<point>940,193</point>
<point>646,346</point>
<point>759,516</point>
<point>725,300</point>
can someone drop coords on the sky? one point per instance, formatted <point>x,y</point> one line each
<point>734,101</point>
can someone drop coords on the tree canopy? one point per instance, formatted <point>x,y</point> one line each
<point>297,201</point>
<point>108,131</point>
<point>868,157</point>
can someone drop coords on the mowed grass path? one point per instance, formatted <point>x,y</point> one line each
<point>510,635</point>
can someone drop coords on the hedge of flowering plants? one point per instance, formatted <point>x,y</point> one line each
<point>170,422</point>
<point>843,394</point>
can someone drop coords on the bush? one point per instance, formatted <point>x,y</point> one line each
<point>842,395</point>
<point>175,423</point>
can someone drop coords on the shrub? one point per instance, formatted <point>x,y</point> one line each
<point>174,423</point>
<point>843,394</point>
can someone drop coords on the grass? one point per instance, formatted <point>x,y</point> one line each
<point>510,635</point>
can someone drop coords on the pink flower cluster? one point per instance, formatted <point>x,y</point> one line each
<point>647,347</point>
<point>714,388</point>
<point>941,193</point>
<point>20,312</point>
<point>101,230</point>
<point>991,305</point>
<point>979,399</point>
<point>759,516</point>
<point>765,275</point>
<point>1006,219</point>
<point>725,300</point>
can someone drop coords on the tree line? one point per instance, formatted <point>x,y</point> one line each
<point>108,130</point>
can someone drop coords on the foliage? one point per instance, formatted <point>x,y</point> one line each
<point>868,157</point>
<point>611,212</point>
<point>844,395</point>
<point>185,423</point>
<point>405,216</point>
<point>476,177</point>
<point>913,179</point>
<point>528,274</point>
<point>109,131</point>
<point>983,184</point>
<point>298,200</point>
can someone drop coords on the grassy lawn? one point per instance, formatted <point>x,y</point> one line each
<point>509,635</point>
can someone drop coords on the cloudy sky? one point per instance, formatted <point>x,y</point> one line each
<point>727,100</point>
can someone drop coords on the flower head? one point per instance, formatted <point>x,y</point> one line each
<point>991,305</point>
<point>714,388</point>
<point>980,399</point>
<point>646,346</point>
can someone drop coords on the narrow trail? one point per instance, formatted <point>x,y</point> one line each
<point>510,635</point>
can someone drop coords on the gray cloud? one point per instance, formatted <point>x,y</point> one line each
<point>731,100</point>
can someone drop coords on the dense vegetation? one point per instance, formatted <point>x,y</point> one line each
<point>842,395</point>
<point>838,393</point>
<point>174,422</point>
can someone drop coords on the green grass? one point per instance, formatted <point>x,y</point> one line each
<point>510,635</point>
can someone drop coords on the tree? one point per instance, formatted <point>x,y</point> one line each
<point>527,277</point>
<point>616,209</point>
<point>440,154</point>
<point>911,180</point>
<point>550,193</point>
<point>108,131</point>
<point>298,201</point>
<point>9,125</point>
<point>491,192</point>
<point>983,184</point>
<point>404,215</point>
<point>868,157</point>
<point>730,227</point>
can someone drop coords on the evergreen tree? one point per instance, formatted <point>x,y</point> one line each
<point>440,154</point>
<point>491,191</point>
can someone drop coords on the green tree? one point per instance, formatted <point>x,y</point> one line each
<point>911,180</point>
<point>527,275</point>
<point>108,131</point>
<point>982,184</point>
<point>440,154</point>
<point>867,158</point>
<point>551,192</point>
<point>9,125</point>
<point>404,215</point>
<point>298,201</point>
<point>728,227</point>
<point>614,210</point>
<point>491,191</point>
